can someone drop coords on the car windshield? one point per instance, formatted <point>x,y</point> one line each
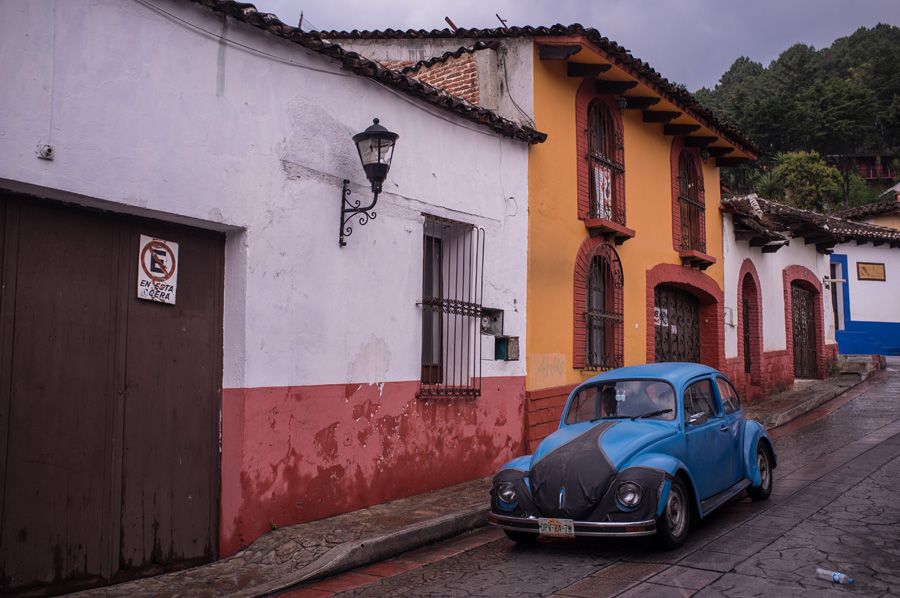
<point>654,399</point>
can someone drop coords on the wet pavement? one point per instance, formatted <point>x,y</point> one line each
<point>292,555</point>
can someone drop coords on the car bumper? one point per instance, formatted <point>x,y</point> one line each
<point>581,528</point>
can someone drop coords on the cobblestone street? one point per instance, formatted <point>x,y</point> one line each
<point>834,506</point>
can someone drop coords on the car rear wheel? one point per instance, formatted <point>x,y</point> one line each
<point>521,537</point>
<point>676,517</point>
<point>764,463</point>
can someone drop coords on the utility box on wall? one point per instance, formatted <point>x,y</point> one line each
<point>506,348</point>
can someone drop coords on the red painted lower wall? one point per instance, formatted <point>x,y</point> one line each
<point>776,374</point>
<point>297,454</point>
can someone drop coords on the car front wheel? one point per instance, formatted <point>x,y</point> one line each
<point>764,463</point>
<point>676,517</point>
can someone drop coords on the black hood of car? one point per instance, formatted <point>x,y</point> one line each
<point>569,481</point>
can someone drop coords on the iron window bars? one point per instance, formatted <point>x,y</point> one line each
<point>606,171</point>
<point>452,278</point>
<point>692,204</point>
<point>604,319</point>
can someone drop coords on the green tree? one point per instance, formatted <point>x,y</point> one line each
<point>845,112</point>
<point>808,182</point>
<point>796,70</point>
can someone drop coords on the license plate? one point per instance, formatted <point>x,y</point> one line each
<point>558,528</point>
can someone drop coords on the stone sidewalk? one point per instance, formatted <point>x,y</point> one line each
<point>292,555</point>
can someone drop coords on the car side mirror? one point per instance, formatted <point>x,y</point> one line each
<point>698,418</point>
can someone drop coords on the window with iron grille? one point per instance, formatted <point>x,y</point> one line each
<point>451,309</point>
<point>603,314</point>
<point>691,203</point>
<point>606,171</point>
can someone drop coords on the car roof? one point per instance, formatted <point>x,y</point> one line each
<point>675,372</point>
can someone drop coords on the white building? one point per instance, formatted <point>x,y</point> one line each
<point>292,378</point>
<point>867,318</point>
<point>776,307</point>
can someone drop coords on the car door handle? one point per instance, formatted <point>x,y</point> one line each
<point>724,428</point>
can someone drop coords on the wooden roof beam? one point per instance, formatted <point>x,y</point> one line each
<point>699,141</point>
<point>729,162</point>
<point>557,51</point>
<point>719,152</point>
<point>819,239</point>
<point>582,69</point>
<point>661,116</point>
<point>614,87</point>
<point>679,130</point>
<point>640,102</point>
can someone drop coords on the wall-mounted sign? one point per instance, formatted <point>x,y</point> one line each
<point>157,270</point>
<point>869,271</point>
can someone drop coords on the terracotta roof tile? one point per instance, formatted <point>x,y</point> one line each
<point>825,231</point>
<point>617,54</point>
<point>890,206</point>
<point>353,62</point>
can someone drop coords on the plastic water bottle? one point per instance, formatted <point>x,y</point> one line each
<point>833,576</point>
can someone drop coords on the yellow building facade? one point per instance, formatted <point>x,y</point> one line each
<point>658,144</point>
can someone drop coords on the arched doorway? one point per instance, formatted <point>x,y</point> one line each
<point>751,328</point>
<point>804,331</point>
<point>804,322</point>
<point>693,322</point>
<point>676,315</point>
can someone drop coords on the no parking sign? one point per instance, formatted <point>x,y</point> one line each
<point>157,270</point>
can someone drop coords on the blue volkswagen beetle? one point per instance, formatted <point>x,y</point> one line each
<point>640,450</point>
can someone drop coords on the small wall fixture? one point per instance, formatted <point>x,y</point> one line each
<point>376,148</point>
<point>622,103</point>
<point>704,155</point>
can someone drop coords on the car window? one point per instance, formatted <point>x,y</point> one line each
<point>622,398</point>
<point>698,398</point>
<point>583,406</point>
<point>730,400</point>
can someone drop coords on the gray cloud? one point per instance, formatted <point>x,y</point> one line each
<point>687,41</point>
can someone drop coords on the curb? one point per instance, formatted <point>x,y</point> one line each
<point>779,419</point>
<point>365,551</point>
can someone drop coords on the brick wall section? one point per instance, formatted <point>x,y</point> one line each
<point>702,286</point>
<point>776,371</point>
<point>543,410</point>
<point>808,280</point>
<point>396,65</point>
<point>456,76</point>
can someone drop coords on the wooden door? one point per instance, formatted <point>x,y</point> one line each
<point>803,320</point>
<point>677,319</point>
<point>109,403</point>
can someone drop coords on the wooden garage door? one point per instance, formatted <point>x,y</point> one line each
<point>677,321</point>
<point>109,404</point>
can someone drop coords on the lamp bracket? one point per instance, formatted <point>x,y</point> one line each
<point>351,208</point>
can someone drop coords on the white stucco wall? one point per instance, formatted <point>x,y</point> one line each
<point>151,112</point>
<point>770,268</point>
<point>872,301</point>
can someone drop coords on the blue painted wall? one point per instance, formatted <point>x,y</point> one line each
<point>860,337</point>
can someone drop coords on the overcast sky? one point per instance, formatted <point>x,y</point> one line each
<point>687,41</point>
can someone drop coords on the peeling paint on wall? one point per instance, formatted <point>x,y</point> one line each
<point>337,448</point>
<point>371,361</point>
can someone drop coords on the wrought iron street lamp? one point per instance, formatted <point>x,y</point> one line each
<point>376,148</point>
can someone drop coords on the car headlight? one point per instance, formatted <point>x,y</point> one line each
<point>506,492</point>
<point>629,494</point>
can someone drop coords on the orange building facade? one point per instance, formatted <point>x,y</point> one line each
<point>625,234</point>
